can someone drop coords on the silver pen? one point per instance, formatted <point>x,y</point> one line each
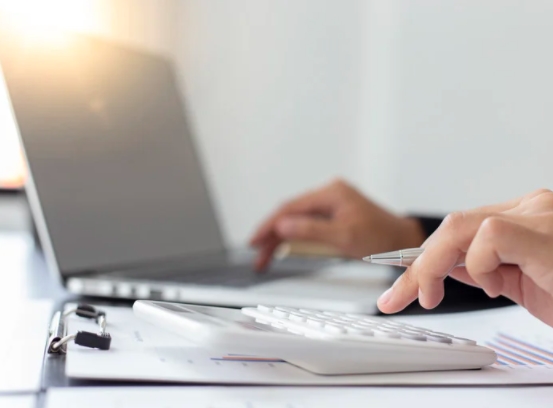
<point>403,257</point>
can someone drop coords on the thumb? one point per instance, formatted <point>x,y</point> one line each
<point>308,229</point>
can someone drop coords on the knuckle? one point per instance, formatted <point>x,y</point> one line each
<point>493,227</point>
<point>453,221</point>
<point>339,183</point>
<point>408,278</point>
<point>288,206</point>
<point>546,199</point>
<point>541,191</point>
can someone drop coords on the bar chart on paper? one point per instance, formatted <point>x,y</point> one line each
<point>515,352</point>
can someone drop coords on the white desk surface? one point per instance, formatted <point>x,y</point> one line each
<point>17,401</point>
<point>24,277</point>
<point>300,397</point>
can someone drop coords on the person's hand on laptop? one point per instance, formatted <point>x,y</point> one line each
<point>340,216</point>
<point>507,248</point>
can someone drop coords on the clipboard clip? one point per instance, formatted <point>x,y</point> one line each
<point>58,340</point>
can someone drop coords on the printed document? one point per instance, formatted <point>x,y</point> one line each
<point>143,352</point>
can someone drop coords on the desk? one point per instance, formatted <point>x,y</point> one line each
<point>25,277</point>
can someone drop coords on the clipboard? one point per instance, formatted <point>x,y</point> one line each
<point>54,359</point>
<point>59,338</point>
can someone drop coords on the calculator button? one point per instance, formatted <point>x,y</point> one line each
<point>359,330</point>
<point>435,333</point>
<point>388,326</point>
<point>315,322</point>
<point>460,340</point>
<point>364,325</point>
<point>280,313</point>
<point>386,333</point>
<point>332,314</point>
<point>415,330</point>
<point>395,324</point>
<point>309,311</point>
<point>264,309</point>
<point>356,315</point>
<point>340,321</point>
<point>370,321</point>
<point>345,319</point>
<point>332,328</point>
<point>286,309</point>
<point>438,339</point>
<point>412,335</point>
<point>294,317</point>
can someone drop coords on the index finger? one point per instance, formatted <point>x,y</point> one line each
<point>424,279</point>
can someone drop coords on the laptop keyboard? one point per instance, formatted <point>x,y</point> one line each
<point>238,276</point>
<point>229,275</point>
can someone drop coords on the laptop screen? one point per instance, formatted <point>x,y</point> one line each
<point>110,154</point>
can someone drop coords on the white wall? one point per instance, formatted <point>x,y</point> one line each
<point>430,105</point>
<point>275,91</point>
<point>283,96</point>
<point>474,101</point>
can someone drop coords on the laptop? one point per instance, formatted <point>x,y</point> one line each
<point>119,196</point>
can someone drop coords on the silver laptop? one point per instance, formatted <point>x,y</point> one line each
<point>118,194</point>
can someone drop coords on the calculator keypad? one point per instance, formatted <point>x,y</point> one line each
<point>317,323</point>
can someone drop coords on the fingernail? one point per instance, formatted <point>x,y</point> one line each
<point>286,227</point>
<point>385,297</point>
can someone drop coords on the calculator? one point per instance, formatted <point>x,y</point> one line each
<point>322,342</point>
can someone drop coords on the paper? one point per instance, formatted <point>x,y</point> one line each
<point>520,340</point>
<point>299,397</point>
<point>17,401</point>
<point>143,352</point>
<point>22,341</point>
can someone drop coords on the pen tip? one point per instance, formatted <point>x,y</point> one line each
<point>367,259</point>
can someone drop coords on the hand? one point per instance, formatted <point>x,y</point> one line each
<point>507,248</point>
<point>336,215</point>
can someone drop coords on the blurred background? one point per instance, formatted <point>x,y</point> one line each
<point>427,106</point>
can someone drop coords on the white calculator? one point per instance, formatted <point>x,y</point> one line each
<point>323,342</point>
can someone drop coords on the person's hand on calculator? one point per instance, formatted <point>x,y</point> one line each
<point>340,216</point>
<point>507,249</point>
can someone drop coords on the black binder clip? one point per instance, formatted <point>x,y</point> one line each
<point>57,343</point>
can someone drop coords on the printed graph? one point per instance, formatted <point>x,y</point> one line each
<point>512,351</point>
<point>247,359</point>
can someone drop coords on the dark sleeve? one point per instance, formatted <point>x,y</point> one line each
<point>428,224</point>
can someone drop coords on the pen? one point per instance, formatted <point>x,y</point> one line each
<point>403,257</point>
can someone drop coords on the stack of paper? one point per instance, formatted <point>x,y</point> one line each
<point>143,352</point>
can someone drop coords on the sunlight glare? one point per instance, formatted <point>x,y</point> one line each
<point>39,17</point>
